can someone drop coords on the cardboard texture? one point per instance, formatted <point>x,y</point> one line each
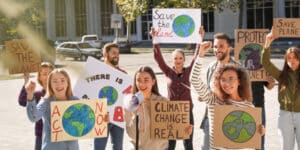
<point>169,119</point>
<point>286,27</point>
<point>248,46</point>
<point>21,57</point>
<point>236,127</point>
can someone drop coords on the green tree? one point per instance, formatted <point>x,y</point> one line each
<point>205,5</point>
<point>130,10</point>
<point>31,12</point>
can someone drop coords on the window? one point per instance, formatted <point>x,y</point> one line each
<point>259,14</point>
<point>80,17</point>
<point>133,27</point>
<point>292,9</point>
<point>60,18</point>
<point>208,21</point>
<point>106,11</point>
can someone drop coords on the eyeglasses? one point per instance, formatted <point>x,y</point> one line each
<point>230,80</point>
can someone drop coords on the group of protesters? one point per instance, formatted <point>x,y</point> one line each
<point>227,83</point>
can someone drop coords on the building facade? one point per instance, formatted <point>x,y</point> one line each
<point>71,19</point>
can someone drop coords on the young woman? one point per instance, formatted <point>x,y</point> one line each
<point>144,85</point>
<point>178,80</point>
<point>231,86</point>
<point>288,92</point>
<point>44,70</point>
<point>58,89</point>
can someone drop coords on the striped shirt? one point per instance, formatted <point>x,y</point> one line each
<point>208,96</point>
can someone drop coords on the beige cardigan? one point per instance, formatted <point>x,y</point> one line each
<point>145,143</point>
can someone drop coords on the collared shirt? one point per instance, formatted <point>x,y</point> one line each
<point>178,84</point>
<point>23,101</point>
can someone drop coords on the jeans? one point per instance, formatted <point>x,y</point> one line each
<point>205,145</point>
<point>188,143</point>
<point>117,134</point>
<point>263,119</point>
<point>38,143</point>
<point>289,127</point>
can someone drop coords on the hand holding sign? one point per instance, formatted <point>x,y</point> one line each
<point>202,33</point>
<point>269,38</point>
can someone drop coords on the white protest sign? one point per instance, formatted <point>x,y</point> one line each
<point>176,25</point>
<point>102,81</point>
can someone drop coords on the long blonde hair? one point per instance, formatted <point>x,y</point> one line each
<point>50,92</point>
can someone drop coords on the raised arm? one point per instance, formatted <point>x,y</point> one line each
<point>201,88</point>
<point>265,57</point>
<point>34,111</point>
<point>158,56</point>
<point>202,33</point>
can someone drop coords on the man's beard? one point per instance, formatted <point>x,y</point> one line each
<point>222,57</point>
<point>114,62</point>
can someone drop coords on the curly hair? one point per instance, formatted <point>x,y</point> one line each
<point>244,89</point>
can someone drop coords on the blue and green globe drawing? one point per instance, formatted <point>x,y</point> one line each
<point>183,26</point>
<point>110,93</point>
<point>239,126</point>
<point>250,56</point>
<point>78,120</point>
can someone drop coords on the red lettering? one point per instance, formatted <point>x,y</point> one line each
<point>55,111</point>
<point>53,125</point>
<point>99,131</point>
<point>99,107</point>
<point>160,33</point>
<point>118,114</point>
<point>56,133</point>
<point>99,119</point>
<point>127,90</point>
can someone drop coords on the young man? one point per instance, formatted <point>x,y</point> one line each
<point>222,49</point>
<point>111,58</point>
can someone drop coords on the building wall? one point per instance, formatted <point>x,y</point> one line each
<point>225,21</point>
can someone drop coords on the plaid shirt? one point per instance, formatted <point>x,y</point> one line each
<point>23,101</point>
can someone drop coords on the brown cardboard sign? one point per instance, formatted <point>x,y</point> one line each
<point>248,46</point>
<point>236,127</point>
<point>78,119</point>
<point>169,119</point>
<point>22,57</point>
<point>286,27</point>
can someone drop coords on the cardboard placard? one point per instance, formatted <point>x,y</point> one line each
<point>236,127</point>
<point>286,27</point>
<point>169,119</point>
<point>22,57</point>
<point>99,80</point>
<point>176,25</point>
<point>78,119</point>
<point>248,46</point>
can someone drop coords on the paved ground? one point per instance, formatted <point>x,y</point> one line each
<point>17,132</point>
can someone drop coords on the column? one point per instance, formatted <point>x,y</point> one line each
<point>50,19</point>
<point>71,26</point>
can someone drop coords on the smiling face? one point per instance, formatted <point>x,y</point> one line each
<point>178,59</point>
<point>144,83</point>
<point>229,83</point>
<point>59,85</point>
<point>292,61</point>
<point>112,56</point>
<point>222,49</point>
